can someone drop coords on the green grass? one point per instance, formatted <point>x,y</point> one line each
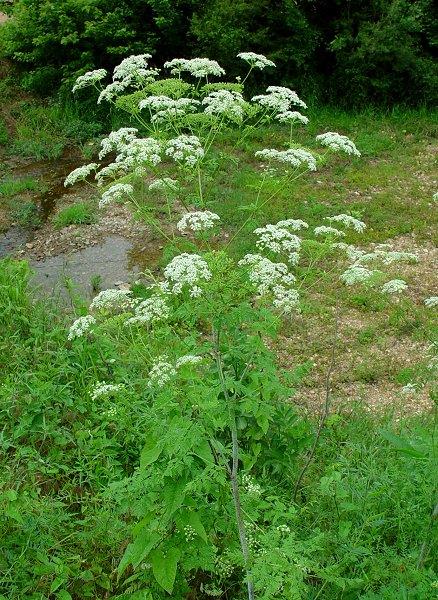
<point>12,187</point>
<point>81,213</point>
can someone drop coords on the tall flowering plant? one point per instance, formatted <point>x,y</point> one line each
<point>218,427</point>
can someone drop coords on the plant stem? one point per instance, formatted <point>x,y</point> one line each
<point>234,471</point>
<point>325,413</point>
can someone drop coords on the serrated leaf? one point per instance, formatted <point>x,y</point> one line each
<point>56,583</point>
<point>403,445</point>
<point>164,567</point>
<point>150,453</point>
<point>138,549</point>
<point>195,522</point>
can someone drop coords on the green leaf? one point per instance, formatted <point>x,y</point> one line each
<point>150,453</point>
<point>63,595</point>
<point>139,549</point>
<point>195,522</point>
<point>164,567</point>
<point>56,583</point>
<point>403,445</point>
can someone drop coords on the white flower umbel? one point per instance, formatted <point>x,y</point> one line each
<point>89,78</point>
<point>162,371</point>
<point>112,90</point>
<point>356,274</point>
<point>277,238</point>
<point>186,271</point>
<point>279,99</point>
<point>140,153</point>
<point>185,149</point>
<point>135,65</point>
<point>328,231</point>
<point>81,326</point>
<point>111,300</point>
<point>166,184</point>
<point>293,224</point>
<point>395,286</point>
<point>151,310</point>
<point>80,174</point>
<point>338,142</point>
<point>115,192</point>
<point>198,221</point>
<point>348,221</point>
<point>188,359</point>
<point>286,300</point>
<point>103,390</point>
<point>431,302</point>
<point>256,60</point>
<point>393,256</point>
<point>226,103</point>
<point>117,140</point>
<point>292,116</point>
<point>435,197</point>
<point>112,170</point>
<point>198,67</point>
<point>166,108</point>
<point>293,157</point>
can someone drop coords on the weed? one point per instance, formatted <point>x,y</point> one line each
<point>81,213</point>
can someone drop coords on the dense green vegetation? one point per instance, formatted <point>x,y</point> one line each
<point>373,51</point>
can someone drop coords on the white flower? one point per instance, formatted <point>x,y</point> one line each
<point>164,184</point>
<point>188,359</point>
<point>356,274</point>
<point>109,300</point>
<point>81,326</point>
<point>256,60</point>
<point>114,193</point>
<point>409,388</point>
<point>395,286</point>
<point>162,371</point>
<point>198,67</point>
<point>80,174</point>
<point>139,153</point>
<point>166,108</point>
<point>224,102</point>
<point>435,196</point>
<point>292,116</point>
<point>198,221</point>
<point>89,78</point>
<point>337,142</point>
<point>186,270</point>
<point>117,140</point>
<point>185,149</point>
<point>324,230</point>
<point>277,239</point>
<point>132,66</point>
<point>294,224</point>
<point>151,310</point>
<point>287,300</point>
<point>279,99</point>
<point>293,157</point>
<point>348,221</point>
<point>250,487</point>
<point>431,302</point>
<point>395,256</point>
<point>110,170</point>
<point>112,90</point>
<point>102,389</point>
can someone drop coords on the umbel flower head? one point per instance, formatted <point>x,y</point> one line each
<point>80,174</point>
<point>256,60</point>
<point>150,311</point>
<point>135,65</point>
<point>223,102</point>
<point>115,192</point>
<point>117,140</point>
<point>395,286</point>
<point>277,238</point>
<point>186,271</point>
<point>111,300</point>
<point>338,142</point>
<point>292,116</point>
<point>81,326</point>
<point>197,67</point>
<point>89,78</point>
<point>166,184</point>
<point>185,149</point>
<point>103,390</point>
<point>198,221</point>
<point>279,99</point>
<point>294,157</point>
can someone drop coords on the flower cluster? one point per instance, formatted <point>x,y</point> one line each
<point>348,221</point>
<point>134,66</point>
<point>139,153</point>
<point>102,389</point>
<point>250,487</point>
<point>356,274</point>
<point>395,286</point>
<point>185,149</point>
<point>89,78</point>
<point>279,99</point>
<point>198,221</point>
<point>328,231</point>
<point>163,370</point>
<point>338,142</point>
<point>117,140</point>
<point>188,359</point>
<point>115,192</point>
<point>185,270</point>
<point>81,326</point>
<point>112,90</point>
<point>166,108</point>
<point>278,239</point>
<point>256,60</point>
<point>292,116</point>
<point>151,310</point>
<point>80,174</point>
<point>166,184</point>
<point>273,279</point>
<point>226,103</point>
<point>111,300</point>
<point>198,67</point>
<point>293,157</point>
<point>431,302</point>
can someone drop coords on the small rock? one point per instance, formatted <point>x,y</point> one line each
<point>118,283</point>
<point>29,246</point>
